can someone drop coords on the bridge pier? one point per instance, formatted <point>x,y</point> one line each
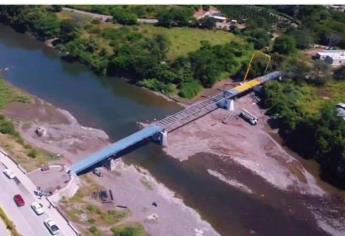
<point>161,138</point>
<point>227,104</point>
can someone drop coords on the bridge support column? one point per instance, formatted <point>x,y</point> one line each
<point>161,138</point>
<point>113,164</point>
<point>228,104</point>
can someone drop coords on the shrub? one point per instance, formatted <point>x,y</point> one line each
<point>190,89</point>
<point>6,127</point>
<point>32,153</point>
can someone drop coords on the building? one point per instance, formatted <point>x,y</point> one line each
<point>341,110</point>
<point>333,57</point>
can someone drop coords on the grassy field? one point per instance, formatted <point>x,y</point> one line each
<point>332,92</point>
<point>185,40</point>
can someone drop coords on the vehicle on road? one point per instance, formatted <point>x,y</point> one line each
<point>9,174</point>
<point>52,226</point>
<point>18,199</point>
<point>37,208</point>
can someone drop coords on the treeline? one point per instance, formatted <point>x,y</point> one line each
<point>319,135</point>
<point>126,51</point>
<point>39,21</point>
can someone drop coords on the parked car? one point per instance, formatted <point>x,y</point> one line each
<point>18,199</point>
<point>9,173</point>
<point>37,207</point>
<point>52,226</point>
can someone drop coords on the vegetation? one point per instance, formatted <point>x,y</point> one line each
<point>325,27</point>
<point>284,45</point>
<point>308,121</point>
<point>9,224</point>
<point>175,16</point>
<point>100,221</point>
<point>43,24</point>
<point>130,230</point>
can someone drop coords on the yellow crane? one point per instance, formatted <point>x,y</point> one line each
<point>255,55</point>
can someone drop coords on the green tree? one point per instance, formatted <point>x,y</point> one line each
<point>208,23</point>
<point>339,74</point>
<point>124,16</point>
<point>284,45</point>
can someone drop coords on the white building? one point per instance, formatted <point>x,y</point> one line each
<point>333,57</point>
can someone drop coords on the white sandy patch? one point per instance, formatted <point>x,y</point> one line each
<point>231,182</point>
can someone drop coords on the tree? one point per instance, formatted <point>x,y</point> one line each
<point>303,38</point>
<point>284,45</point>
<point>260,38</point>
<point>339,74</point>
<point>208,23</point>
<point>124,16</point>
<point>68,30</point>
<point>176,16</point>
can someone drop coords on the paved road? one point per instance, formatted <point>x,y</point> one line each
<point>26,221</point>
<point>106,18</point>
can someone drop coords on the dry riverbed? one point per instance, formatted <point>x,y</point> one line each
<point>133,187</point>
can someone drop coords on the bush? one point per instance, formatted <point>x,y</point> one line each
<point>32,153</point>
<point>284,45</point>
<point>6,127</point>
<point>339,74</point>
<point>95,231</point>
<point>190,89</point>
<point>133,230</point>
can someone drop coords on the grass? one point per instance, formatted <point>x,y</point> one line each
<point>129,230</point>
<point>9,224</point>
<point>184,40</point>
<point>332,92</point>
<point>9,94</point>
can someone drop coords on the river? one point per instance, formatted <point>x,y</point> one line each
<point>113,105</point>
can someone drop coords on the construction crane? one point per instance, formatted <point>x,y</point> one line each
<point>255,55</point>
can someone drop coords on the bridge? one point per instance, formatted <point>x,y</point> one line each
<point>158,130</point>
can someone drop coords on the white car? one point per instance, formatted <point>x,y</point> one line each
<point>37,208</point>
<point>9,173</point>
<point>52,226</point>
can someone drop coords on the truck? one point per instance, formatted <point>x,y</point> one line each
<point>246,115</point>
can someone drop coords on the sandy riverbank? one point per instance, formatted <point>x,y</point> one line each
<point>133,186</point>
<point>238,147</point>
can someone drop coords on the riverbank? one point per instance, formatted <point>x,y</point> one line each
<point>64,137</point>
<point>236,147</point>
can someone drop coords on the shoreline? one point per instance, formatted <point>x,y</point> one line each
<point>60,139</point>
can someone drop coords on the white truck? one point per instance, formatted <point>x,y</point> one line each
<point>246,115</point>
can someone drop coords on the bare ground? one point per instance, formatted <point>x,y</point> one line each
<point>249,146</point>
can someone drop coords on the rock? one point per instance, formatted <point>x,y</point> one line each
<point>41,131</point>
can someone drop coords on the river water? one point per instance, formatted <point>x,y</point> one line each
<point>113,105</point>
